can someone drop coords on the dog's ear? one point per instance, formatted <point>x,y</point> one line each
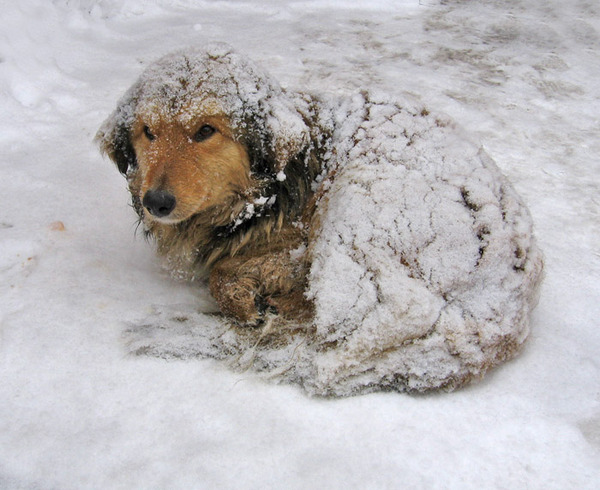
<point>288,132</point>
<point>116,144</point>
<point>114,136</point>
<point>283,133</point>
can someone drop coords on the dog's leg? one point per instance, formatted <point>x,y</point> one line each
<point>245,288</point>
<point>235,287</point>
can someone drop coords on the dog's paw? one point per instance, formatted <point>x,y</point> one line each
<point>249,314</point>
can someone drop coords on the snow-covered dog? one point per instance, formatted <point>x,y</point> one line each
<point>368,228</point>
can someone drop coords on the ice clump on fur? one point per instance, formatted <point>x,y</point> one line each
<point>424,265</point>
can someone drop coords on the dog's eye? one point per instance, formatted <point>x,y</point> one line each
<point>204,133</point>
<point>148,134</point>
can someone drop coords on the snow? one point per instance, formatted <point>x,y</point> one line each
<point>78,411</point>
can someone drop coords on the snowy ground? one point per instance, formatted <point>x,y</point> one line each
<point>77,412</point>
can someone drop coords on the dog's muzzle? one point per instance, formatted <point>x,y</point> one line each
<point>159,203</point>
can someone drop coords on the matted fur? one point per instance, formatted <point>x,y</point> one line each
<point>265,211</point>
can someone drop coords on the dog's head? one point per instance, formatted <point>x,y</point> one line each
<point>200,129</point>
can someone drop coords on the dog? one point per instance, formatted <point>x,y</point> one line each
<point>406,261</point>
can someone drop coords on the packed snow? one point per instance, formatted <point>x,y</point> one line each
<point>78,410</point>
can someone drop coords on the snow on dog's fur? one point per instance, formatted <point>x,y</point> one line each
<point>370,242</point>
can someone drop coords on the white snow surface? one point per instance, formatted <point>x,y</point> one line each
<point>77,410</point>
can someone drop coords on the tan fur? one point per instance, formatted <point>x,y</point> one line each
<point>200,175</point>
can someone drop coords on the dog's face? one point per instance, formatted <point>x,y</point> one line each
<point>186,163</point>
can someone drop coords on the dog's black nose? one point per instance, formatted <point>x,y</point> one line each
<point>159,203</point>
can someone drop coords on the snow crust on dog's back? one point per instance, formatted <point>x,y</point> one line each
<point>424,266</point>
